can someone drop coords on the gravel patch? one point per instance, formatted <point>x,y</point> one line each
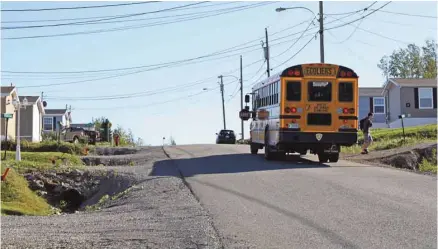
<point>152,212</point>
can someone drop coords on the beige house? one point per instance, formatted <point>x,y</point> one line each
<point>8,94</point>
<point>31,119</point>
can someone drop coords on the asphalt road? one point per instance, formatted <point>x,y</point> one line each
<point>301,204</point>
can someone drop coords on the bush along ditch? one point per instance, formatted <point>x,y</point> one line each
<point>49,146</point>
<point>45,183</point>
<point>418,159</point>
<point>55,191</point>
<point>64,190</point>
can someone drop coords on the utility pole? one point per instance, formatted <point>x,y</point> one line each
<point>321,31</point>
<point>241,94</point>
<point>267,52</point>
<point>223,104</point>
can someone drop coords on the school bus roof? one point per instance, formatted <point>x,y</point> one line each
<point>276,77</point>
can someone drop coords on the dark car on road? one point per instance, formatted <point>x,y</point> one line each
<point>226,137</point>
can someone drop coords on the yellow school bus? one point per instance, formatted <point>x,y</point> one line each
<point>307,107</point>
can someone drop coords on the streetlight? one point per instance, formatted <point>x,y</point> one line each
<point>17,106</point>
<point>283,9</point>
<point>241,97</point>
<point>321,24</point>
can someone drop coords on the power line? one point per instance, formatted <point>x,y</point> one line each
<point>137,26</point>
<point>132,95</point>
<point>160,64</point>
<point>377,34</point>
<point>293,44</point>
<point>99,17</point>
<point>305,45</point>
<point>79,7</point>
<point>140,71</point>
<point>101,21</point>
<point>345,24</point>
<point>167,65</point>
<point>357,26</point>
<point>152,104</point>
<point>405,14</point>
<point>326,29</point>
<point>225,51</point>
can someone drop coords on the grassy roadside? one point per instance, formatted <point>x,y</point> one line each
<point>429,165</point>
<point>385,139</point>
<point>40,160</point>
<point>16,196</point>
<point>48,146</point>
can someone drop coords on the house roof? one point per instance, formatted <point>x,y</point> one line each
<point>30,99</point>
<point>416,82</point>
<point>56,111</point>
<point>410,83</point>
<point>7,89</point>
<point>370,91</point>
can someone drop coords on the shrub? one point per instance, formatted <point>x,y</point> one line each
<point>49,136</point>
<point>429,165</point>
<point>46,146</point>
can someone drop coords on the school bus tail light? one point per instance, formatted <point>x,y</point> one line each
<point>348,110</point>
<point>345,111</point>
<point>295,71</point>
<point>290,110</point>
<point>346,73</point>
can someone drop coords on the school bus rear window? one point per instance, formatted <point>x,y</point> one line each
<point>345,92</point>
<point>320,91</point>
<point>293,91</point>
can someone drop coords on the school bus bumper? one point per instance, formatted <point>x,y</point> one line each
<point>294,139</point>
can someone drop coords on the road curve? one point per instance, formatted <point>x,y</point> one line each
<point>301,204</point>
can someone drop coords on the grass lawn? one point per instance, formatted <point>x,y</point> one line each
<point>16,197</point>
<point>393,138</point>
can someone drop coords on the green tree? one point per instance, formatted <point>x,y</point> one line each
<point>429,59</point>
<point>411,62</point>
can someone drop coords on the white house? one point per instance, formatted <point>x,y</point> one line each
<point>31,119</point>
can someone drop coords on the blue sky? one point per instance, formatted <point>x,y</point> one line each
<point>193,119</point>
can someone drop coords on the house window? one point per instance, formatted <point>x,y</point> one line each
<point>48,124</point>
<point>425,98</point>
<point>379,105</point>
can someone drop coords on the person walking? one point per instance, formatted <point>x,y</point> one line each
<point>116,139</point>
<point>367,123</point>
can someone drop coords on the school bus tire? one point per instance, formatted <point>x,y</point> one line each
<point>254,148</point>
<point>268,153</point>
<point>323,157</point>
<point>333,158</point>
<point>281,155</point>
